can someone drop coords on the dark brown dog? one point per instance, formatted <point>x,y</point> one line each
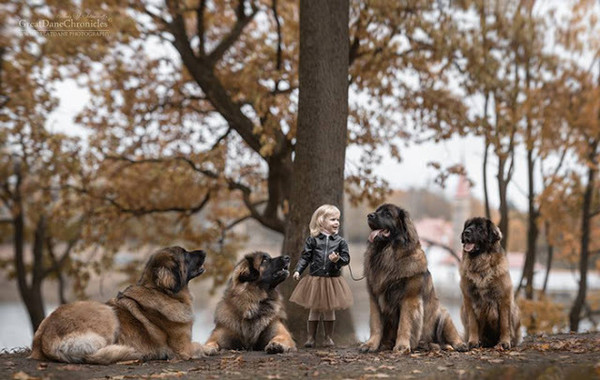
<point>150,320</point>
<point>251,314</point>
<point>489,312</point>
<point>404,310</point>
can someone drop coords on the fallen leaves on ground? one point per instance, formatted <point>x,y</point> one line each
<point>574,345</point>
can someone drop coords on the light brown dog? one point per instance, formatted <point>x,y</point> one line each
<point>251,314</point>
<point>150,320</point>
<point>489,312</point>
<point>405,312</point>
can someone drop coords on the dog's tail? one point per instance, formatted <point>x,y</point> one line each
<point>89,348</point>
<point>113,353</point>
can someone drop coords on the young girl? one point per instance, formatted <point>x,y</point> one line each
<point>324,290</point>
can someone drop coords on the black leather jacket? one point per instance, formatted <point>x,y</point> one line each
<point>316,253</point>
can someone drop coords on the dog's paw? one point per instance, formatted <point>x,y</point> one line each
<point>402,349</point>
<point>197,350</point>
<point>368,347</point>
<point>210,349</point>
<point>276,348</point>
<point>435,347</point>
<point>502,346</point>
<point>473,344</point>
<point>460,347</point>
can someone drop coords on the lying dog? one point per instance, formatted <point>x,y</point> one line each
<point>251,314</point>
<point>404,310</point>
<point>489,312</point>
<point>150,320</point>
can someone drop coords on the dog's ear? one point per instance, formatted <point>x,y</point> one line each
<point>168,278</point>
<point>401,214</point>
<point>467,223</point>
<point>494,233</point>
<point>248,273</point>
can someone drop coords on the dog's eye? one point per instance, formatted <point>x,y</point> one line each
<point>264,258</point>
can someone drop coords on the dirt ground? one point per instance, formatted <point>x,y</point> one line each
<point>564,356</point>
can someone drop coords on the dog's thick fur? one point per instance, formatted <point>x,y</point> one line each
<point>150,320</point>
<point>404,309</point>
<point>251,314</point>
<point>489,312</point>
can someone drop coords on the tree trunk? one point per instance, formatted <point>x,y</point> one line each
<point>532,228</point>
<point>485,156</point>
<point>575,314</point>
<point>485,184</point>
<point>549,258</point>
<point>31,295</point>
<point>318,175</point>
<point>503,208</point>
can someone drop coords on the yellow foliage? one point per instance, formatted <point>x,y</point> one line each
<point>542,315</point>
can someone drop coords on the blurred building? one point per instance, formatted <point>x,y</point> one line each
<point>461,211</point>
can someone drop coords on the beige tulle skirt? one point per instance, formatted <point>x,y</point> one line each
<point>322,293</point>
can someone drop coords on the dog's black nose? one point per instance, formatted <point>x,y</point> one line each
<point>286,259</point>
<point>371,215</point>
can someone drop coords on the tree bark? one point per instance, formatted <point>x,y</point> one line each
<point>532,228</point>
<point>575,314</point>
<point>485,183</point>
<point>318,171</point>
<point>503,208</point>
<point>31,295</point>
<point>549,258</point>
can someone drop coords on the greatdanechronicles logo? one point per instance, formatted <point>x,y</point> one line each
<point>84,24</point>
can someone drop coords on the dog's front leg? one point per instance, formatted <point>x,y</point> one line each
<point>183,347</point>
<point>376,326</point>
<point>472,325</point>
<point>281,341</point>
<point>215,341</point>
<point>410,324</point>
<point>504,315</point>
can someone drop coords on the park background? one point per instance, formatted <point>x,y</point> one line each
<point>128,127</point>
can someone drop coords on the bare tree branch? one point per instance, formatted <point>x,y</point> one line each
<point>447,248</point>
<point>234,33</point>
<point>221,138</point>
<point>146,211</point>
<point>200,27</point>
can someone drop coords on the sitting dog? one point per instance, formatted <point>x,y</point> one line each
<point>489,312</point>
<point>251,315</point>
<point>150,320</point>
<point>405,312</point>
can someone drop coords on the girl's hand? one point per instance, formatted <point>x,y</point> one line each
<point>296,276</point>
<point>334,257</point>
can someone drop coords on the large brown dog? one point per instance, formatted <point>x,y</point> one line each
<point>489,312</point>
<point>404,310</point>
<point>250,316</point>
<point>150,320</point>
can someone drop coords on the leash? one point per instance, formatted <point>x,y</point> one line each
<point>352,274</point>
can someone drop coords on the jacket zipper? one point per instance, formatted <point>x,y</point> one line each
<point>326,250</point>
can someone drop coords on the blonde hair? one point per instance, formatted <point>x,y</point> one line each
<point>318,217</point>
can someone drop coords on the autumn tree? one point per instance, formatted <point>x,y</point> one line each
<point>496,55</point>
<point>34,165</point>
<point>585,121</point>
<point>578,35</point>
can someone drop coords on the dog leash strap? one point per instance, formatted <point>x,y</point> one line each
<point>352,274</point>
